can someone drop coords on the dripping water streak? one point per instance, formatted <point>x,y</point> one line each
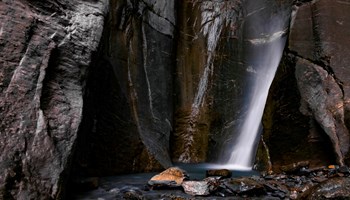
<point>1,31</point>
<point>133,94</point>
<point>212,25</point>
<point>211,28</point>
<point>144,51</point>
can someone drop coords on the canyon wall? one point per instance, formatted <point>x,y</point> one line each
<point>45,50</point>
<point>307,116</point>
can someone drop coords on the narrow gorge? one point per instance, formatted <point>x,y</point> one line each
<point>96,88</point>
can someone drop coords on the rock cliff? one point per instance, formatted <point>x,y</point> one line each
<point>46,47</point>
<point>307,113</point>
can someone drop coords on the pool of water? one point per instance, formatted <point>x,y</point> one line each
<point>198,171</point>
<point>111,186</point>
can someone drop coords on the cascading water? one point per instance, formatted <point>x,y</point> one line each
<point>265,39</point>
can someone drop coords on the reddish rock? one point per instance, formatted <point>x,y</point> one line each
<point>173,174</point>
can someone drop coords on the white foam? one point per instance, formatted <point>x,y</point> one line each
<point>264,60</point>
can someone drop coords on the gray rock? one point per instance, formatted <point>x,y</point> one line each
<point>45,50</point>
<point>334,188</point>
<point>196,188</point>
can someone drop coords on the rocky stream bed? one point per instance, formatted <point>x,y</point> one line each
<point>296,181</point>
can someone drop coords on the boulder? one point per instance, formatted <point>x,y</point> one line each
<point>224,173</point>
<point>171,177</point>
<point>201,188</point>
<point>334,188</point>
<point>196,188</point>
<point>246,186</point>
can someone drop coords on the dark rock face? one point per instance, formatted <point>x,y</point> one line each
<point>317,117</point>
<point>335,188</point>
<point>322,98</point>
<point>289,136</point>
<point>326,30</point>
<point>129,102</point>
<point>45,49</point>
<point>203,27</point>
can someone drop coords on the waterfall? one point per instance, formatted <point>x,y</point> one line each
<point>264,42</point>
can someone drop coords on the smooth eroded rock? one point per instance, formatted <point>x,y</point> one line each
<point>173,176</point>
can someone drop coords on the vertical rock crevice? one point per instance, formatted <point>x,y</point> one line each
<point>129,107</point>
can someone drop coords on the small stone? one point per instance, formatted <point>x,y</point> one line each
<point>320,173</point>
<point>318,179</point>
<point>196,188</point>
<point>340,174</point>
<point>280,195</point>
<point>344,169</point>
<point>334,188</point>
<point>246,186</point>
<point>305,188</point>
<point>131,193</point>
<point>269,177</point>
<point>332,166</point>
<point>225,173</point>
<point>293,195</point>
<point>295,167</point>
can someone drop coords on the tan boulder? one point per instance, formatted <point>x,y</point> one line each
<point>173,176</point>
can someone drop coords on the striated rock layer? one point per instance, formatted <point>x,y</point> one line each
<point>45,49</point>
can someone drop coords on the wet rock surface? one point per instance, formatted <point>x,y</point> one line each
<point>318,183</point>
